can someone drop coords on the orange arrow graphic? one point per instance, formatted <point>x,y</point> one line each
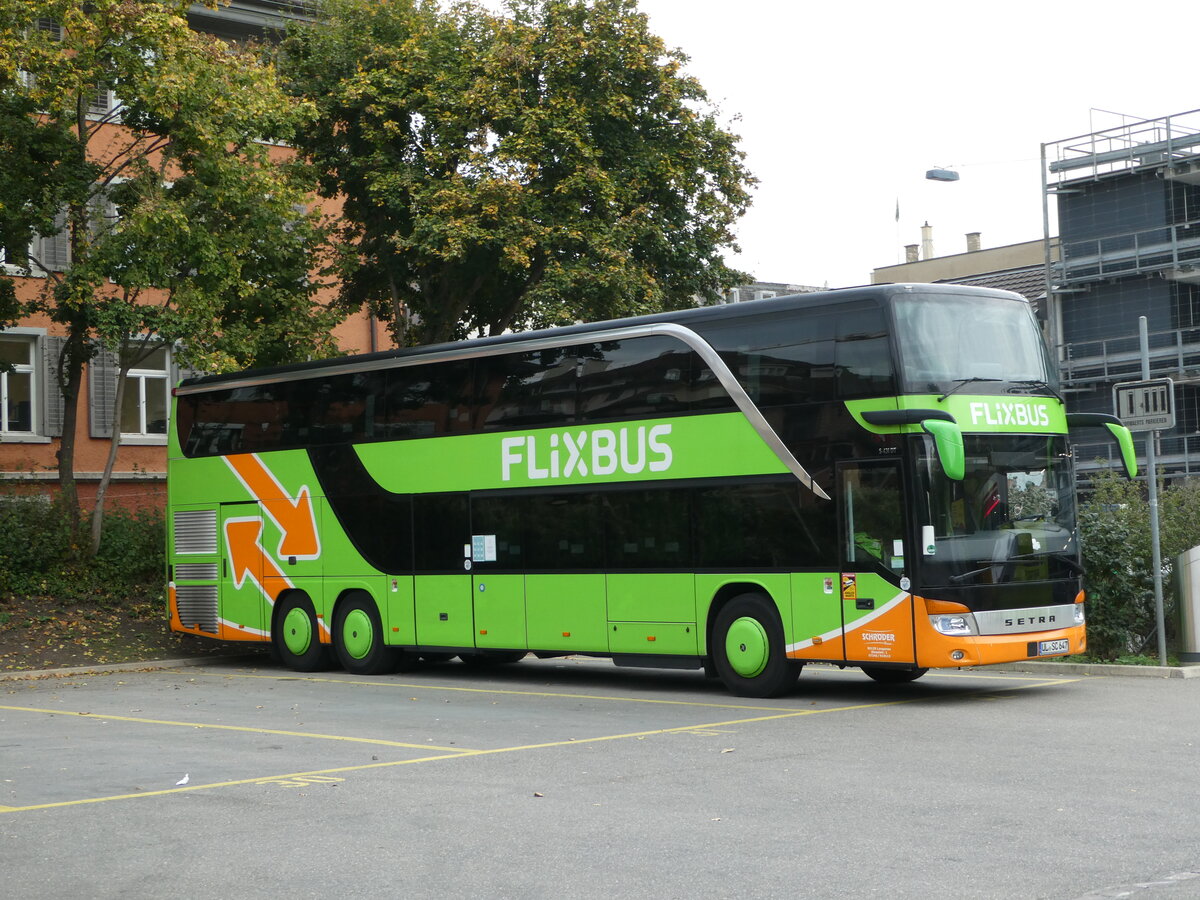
<point>295,518</point>
<point>248,559</point>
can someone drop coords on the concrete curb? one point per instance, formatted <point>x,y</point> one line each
<point>108,668</point>
<point>1060,668</point>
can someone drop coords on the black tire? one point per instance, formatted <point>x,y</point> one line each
<point>358,638</point>
<point>748,650</point>
<point>296,635</point>
<point>893,676</point>
<point>493,657</point>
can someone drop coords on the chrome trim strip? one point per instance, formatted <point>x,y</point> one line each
<point>1026,621</point>
<point>726,377</point>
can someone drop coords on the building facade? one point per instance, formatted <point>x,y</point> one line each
<point>1013,267</point>
<point>31,404</point>
<point>1128,208</point>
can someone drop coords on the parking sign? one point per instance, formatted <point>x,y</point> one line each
<point>1145,405</point>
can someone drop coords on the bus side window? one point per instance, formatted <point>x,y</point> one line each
<point>633,378</point>
<point>442,530</point>
<point>648,529</point>
<point>504,518</point>
<point>563,531</point>
<point>337,407</point>
<point>423,401</point>
<point>522,390</point>
<point>863,356</point>
<point>763,525</point>
<point>777,359</point>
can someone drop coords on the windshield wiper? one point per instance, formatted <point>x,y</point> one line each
<point>1037,383</point>
<point>1063,558</point>
<point>962,382</point>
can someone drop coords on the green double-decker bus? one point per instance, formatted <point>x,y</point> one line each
<point>875,477</point>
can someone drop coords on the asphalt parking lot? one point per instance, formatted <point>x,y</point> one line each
<point>576,778</point>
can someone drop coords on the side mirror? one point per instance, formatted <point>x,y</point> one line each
<point>1116,430</point>
<point>947,436</point>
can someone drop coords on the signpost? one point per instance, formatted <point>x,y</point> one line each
<point>1149,405</point>
<point>1145,405</point>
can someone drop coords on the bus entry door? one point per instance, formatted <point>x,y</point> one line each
<point>876,613</point>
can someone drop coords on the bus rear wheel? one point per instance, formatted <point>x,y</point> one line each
<point>358,638</point>
<point>748,650</point>
<point>296,636</point>
<point>893,676</point>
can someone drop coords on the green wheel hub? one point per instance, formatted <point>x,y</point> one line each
<point>358,635</point>
<point>297,631</point>
<point>747,647</point>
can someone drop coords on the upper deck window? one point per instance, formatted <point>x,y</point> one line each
<point>947,338</point>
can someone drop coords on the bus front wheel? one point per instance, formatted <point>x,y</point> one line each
<point>295,635</point>
<point>748,649</point>
<point>893,676</point>
<point>358,638</point>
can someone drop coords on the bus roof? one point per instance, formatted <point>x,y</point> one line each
<point>700,314</point>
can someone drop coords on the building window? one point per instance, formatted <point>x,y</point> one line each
<point>147,394</point>
<point>17,385</point>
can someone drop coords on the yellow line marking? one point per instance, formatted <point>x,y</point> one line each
<point>457,753</point>
<point>267,779</point>
<point>299,734</point>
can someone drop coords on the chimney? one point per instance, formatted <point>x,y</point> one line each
<point>973,242</point>
<point>927,241</point>
<point>912,253</point>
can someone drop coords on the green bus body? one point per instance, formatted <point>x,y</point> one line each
<point>743,488</point>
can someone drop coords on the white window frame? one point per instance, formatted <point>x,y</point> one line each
<point>33,337</point>
<point>142,380</point>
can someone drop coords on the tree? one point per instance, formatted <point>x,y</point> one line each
<point>145,145</point>
<point>499,172</point>
<point>1115,531</point>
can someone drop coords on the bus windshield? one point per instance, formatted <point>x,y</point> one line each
<point>1011,518</point>
<point>947,339</point>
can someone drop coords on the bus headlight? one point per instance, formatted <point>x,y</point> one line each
<point>954,624</point>
<point>1080,618</point>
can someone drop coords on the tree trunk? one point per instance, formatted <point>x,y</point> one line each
<point>505,319</point>
<point>114,445</point>
<point>70,379</point>
<point>399,317</point>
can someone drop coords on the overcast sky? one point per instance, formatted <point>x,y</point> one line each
<point>843,107</point>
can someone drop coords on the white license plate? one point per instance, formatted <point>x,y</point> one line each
<point>1054,648</point>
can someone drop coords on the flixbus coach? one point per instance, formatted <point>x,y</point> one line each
<point>876,477</point>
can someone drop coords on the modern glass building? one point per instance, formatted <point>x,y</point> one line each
<point>1128,208</point>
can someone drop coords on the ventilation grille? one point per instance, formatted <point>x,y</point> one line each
<point>196,572</point>
<point>197,606</point>
<point>196,531</point>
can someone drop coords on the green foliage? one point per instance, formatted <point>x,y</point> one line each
<point>38,559</point>
<point>539,168</point>
<point>1115,528</point>
<point>35,537</point>
<point>184,224</point>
